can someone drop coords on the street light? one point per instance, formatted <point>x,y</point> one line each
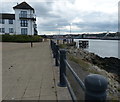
<point>70,27</point>
<point>58,34</point>
<point>58,29</point>
<point>71,40</point>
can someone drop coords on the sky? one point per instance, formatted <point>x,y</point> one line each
<point>82,16</point>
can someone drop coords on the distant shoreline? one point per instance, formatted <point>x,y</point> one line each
<point>100,38</point>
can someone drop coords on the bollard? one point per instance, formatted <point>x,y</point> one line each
<point>56,55</point>
<point>96,86</point>
<point>31,44</point>
<point>62,82</point>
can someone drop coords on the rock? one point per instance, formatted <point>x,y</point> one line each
<point>108,67</point>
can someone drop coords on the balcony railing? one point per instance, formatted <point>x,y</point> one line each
<point>27,16</point>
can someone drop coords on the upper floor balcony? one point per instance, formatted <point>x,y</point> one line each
<point>27,16</point>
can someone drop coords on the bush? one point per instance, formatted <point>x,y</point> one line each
<point>21,38</point>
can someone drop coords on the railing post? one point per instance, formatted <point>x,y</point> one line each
<point>51,44</point>
<point>56,55</point>
<point>62,82</point>
<point>54,44</point>
<point>96,86</point>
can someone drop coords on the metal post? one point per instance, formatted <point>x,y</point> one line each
<point>62,82</point>
<point>57,41</point>
<point>31,44</point>
<point>56,56</point>
<point>96,86</point>
<point>54,44</point>
<point>51,44</point>
<point>70,28</point>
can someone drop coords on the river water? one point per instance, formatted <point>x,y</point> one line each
<point>103,48</point>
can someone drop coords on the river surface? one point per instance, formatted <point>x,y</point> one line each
<point>103,48</point>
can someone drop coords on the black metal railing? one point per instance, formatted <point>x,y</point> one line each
<point>94,85</point>
<point>27,16</point>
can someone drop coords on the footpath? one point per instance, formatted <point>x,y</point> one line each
<point>30,74</point>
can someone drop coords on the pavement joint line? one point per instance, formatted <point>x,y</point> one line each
<point>9,91</point>
<point>54,82</point>
<point>41,86</point>
<point>26,87</point>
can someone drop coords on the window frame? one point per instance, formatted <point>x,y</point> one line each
<point>2,30</point>
<point>24,23</point>
<point>23,14</point>
<point>24,31</point>
<point>10,21</point>
<point>2,21</point>
<point>11,30</point>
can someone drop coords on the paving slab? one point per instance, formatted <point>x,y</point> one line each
<point>29,73</point>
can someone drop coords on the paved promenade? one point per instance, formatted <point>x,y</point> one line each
<point>29,73</point>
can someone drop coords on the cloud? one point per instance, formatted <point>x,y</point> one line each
<point>85,15</point>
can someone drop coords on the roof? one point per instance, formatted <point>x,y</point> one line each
<point>7,16</point>
<point>23,5</point>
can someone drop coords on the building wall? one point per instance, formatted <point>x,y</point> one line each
<point>6,25</point>
<point>18,21</point>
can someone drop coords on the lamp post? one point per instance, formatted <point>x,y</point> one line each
<point>70,33</point>
<point>70,28</point>
<point>58,35</point>
<point>59,31</point>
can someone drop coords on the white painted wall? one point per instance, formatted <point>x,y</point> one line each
<point>18,21</point>
<point>6,25</point>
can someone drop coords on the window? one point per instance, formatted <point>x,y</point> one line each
<point>34,25</point>
<point>2,30</point>
<point>24,31</point>
<point>10,30</point>
<point>2,21</point>
<point>24,23</point>
<point>10,21</point>
<point>23,14</point>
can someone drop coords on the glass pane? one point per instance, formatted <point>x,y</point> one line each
<point>23,13</point>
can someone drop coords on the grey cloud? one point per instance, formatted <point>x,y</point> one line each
<point>98,26</point>
<point>93,21</point>
<point>7,7</point>
<point>42,8</point>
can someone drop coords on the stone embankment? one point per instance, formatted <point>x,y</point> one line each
<point>108,67</point>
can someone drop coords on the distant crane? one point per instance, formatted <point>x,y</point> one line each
<point>107,34</point>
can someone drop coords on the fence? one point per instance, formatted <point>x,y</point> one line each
<point>94,85</point>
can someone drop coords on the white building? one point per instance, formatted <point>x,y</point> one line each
<point>22,22</point>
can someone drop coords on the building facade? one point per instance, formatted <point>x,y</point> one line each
<point>23,22</point>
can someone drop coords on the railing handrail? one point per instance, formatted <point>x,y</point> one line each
<point>70,89</point>
<point>93,85</point>
<point>75,75</point>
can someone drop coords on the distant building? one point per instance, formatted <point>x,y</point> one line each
<point>23,22</point>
